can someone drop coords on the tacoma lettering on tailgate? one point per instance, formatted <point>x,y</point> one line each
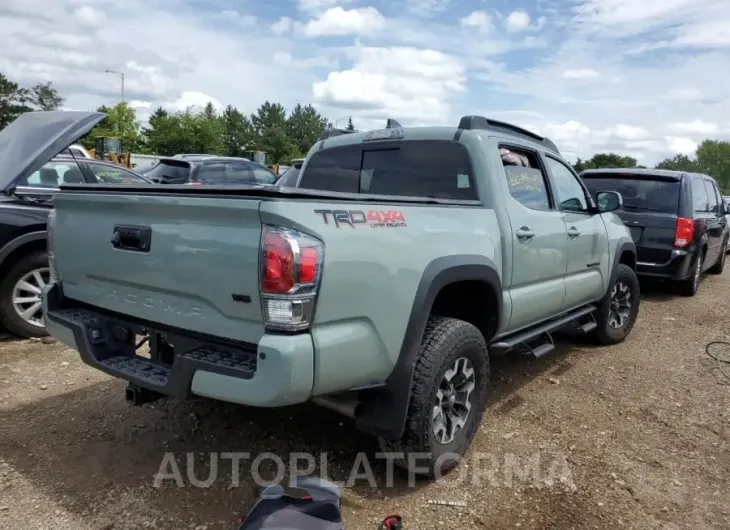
<point>151,302</point>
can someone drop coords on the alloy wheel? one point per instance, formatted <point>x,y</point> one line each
<point>453,402</point>
<point>26,297</point>
<point>620,305</point>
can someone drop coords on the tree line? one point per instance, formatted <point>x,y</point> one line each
<point>282,135</point>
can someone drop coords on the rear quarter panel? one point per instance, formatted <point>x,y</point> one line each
<point>371,275</point>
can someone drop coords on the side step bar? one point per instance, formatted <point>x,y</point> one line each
<point>522,339</point>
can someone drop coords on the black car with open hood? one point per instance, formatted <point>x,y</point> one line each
<point>30,175</point>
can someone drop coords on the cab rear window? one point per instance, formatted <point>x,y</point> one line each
<point>415,168</point>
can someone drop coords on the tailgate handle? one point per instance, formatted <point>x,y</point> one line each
<point>135,238</point>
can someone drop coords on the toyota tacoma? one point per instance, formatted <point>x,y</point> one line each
<point>378,286</point>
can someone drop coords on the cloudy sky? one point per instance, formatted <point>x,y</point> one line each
<point>647,78</point>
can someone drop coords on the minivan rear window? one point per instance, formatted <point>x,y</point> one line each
<point>414,168</point>
<point>645,193</point>
<point>170,171</point>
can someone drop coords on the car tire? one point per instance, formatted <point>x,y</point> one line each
<point>719,265</point>
<point>619,308</point>
<point>690,286</point>
<point>28,268</point>
<point>452,360</point>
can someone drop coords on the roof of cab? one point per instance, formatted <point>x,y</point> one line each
<point>335,137</point>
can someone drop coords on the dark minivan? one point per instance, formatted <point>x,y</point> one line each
<point>676,219</point>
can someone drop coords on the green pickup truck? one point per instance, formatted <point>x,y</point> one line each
<point>379,286</point>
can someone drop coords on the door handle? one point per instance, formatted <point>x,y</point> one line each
<point>524,234</point>
<point>573,232</point>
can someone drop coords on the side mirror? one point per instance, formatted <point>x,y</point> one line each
<point>609,201</point>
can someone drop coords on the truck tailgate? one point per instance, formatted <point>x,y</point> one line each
<point>198,272</point>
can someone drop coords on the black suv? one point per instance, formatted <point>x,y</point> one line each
<point>676,219</point>
<point>206,169</point>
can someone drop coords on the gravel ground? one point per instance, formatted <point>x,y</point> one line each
<point>630,436</point>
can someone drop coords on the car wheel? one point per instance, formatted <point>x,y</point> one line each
<point>619,308</point>
<point>21,309</point>
<point>448,397</point>
<point>690,286</point>
<point>719,266</point>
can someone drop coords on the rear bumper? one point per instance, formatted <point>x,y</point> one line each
<point>678,267</point>
<point>278,371</point>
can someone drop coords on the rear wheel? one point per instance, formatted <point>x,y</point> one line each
<point>619,308</point>
<point>21,309</point>
<point>448,397</point>
<point>689,286</point>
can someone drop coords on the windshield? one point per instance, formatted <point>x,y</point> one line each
<point>289,177</point>
<point>169,171</point>
<point>646,193</point>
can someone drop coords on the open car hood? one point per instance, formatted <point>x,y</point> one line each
<point>36,137</point>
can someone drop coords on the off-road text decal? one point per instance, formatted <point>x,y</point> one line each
<point>373,218</point>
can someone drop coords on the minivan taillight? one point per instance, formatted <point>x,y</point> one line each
<point>684,232</point>
<point>290,272</point>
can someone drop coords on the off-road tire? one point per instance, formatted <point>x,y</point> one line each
<point>604,333</point>
<point>9,319</point>
<point>719,265</point>
<point>445,340</point>
<point>690,286</point>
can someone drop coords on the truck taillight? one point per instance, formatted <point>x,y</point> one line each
<point>684,232</point>
<point>291,266</point>
<point>50,231</point>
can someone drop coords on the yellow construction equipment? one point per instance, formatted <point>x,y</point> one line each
<point>110,149</point>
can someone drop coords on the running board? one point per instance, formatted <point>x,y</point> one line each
<point>523,338</point>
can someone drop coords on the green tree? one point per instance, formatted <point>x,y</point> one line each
<point>605,160</point>
<point>271,133</point>
<point>237,131</point>
<point>120,122</point>
<point>44,97</point>
<point>679,163</point>
<point>713,157</point>
<point>304,127</point>
<point>350,127</point>
<point>13,101</point>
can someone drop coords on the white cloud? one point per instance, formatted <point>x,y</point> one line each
<point>427,7</point>
<point>89,16</point>
<point>518,21</point>
<point>478,19</point>
<point>406,83</point>
<point>282,58</point>
<point>695,127</point>
<point>582,73</point>
<point>339,21</point>
<point>315,6</point>
<point>281,26</point>
<point>628,132</point>
<point>681,145</point>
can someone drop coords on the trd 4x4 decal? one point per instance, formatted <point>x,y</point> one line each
<point>373,218</point>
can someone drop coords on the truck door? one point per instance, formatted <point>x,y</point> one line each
<point>539,240</point>
<point>586,275</point>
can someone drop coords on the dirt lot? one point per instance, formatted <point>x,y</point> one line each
<point>638,432</point>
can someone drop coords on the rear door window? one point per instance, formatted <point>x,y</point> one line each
<point>415,168</point>
<point>699,196</point>
<point>639,194</point>
<point>261,175</point>
<point>713,203</point>
<point>110,175</point>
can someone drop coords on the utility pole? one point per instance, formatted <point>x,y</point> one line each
<point>120,75</point>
